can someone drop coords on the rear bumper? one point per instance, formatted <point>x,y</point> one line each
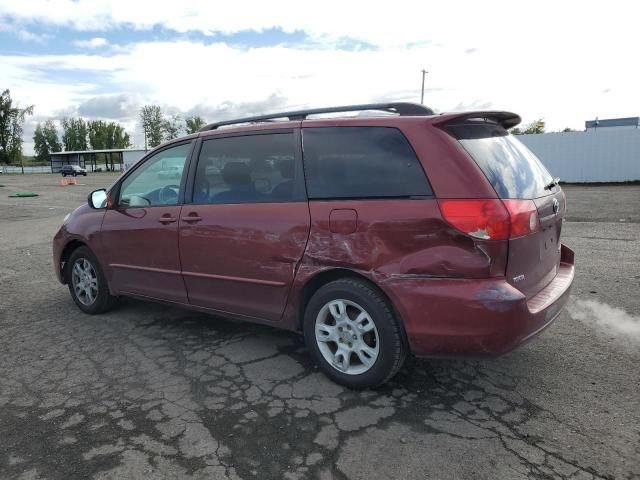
<point>448,317</point>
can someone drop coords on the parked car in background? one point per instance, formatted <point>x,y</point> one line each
<point>437,235</point>
<point>73,170</point>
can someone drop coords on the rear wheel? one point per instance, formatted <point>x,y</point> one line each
<point>87,283</point>
<point>353,335</point>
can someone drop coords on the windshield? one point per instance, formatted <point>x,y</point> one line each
<point>513,170</point>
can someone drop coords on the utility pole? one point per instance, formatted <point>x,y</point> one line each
<point>424,73</point>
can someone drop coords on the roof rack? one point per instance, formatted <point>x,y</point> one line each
<point>401,108</point>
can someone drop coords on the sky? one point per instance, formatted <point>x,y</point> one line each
<point>564,61</point>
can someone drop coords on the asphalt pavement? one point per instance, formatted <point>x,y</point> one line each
<point>148,391</point>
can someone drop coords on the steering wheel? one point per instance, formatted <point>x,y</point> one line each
<point>169,194</point>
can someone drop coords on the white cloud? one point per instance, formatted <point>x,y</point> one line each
<point>28,36</point>
<point>22,33</point>
<point>95,42</point>
<point>501,22</point>
<point>554,60</point>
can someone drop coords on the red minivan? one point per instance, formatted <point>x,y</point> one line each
<point>374,236</point>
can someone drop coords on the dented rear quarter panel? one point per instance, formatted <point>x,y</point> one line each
<point>395,237</point>
<point>393,240</point>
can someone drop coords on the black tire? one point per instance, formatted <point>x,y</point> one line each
<point>392,350</point>
<point>103,301</point>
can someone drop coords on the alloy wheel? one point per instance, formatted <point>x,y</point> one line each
<point>85,281</point>
<point>347,337</point>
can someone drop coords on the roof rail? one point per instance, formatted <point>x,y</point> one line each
<point>401,108</point>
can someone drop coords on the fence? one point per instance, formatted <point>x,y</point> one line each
<point>597,155</point>
<point>29,169</point>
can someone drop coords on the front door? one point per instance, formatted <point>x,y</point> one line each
<point>140,235</point>
<point>245,231</point>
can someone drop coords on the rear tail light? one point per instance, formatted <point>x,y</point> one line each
<point>524,217</point>
<point>492,219</point>
<point>485,219</point>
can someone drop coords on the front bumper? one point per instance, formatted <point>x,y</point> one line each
<point>58,245</point>
<point>476,317</point>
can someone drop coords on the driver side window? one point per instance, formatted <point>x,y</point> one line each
<point>157,181</point>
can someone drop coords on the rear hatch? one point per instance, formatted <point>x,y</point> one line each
<point>519,177</point>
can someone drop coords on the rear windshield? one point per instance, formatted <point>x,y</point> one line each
<point>513,170</point>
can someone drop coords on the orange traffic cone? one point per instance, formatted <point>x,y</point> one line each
<point>73,181</point>
<point>64,182</point>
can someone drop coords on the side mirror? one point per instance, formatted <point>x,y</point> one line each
<point>99,199</point>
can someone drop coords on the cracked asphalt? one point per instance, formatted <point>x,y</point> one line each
<point>148,391</point>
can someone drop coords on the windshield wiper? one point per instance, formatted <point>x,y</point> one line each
<point>552,183</point>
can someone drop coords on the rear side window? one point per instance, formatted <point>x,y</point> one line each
<point>511,168</point>
<point>249,169</point>
<point>361,162</point>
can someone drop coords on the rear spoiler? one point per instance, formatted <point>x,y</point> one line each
<point>506,119</point>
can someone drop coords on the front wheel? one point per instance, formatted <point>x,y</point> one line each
<point>87,283</point>
<point>353,335</point>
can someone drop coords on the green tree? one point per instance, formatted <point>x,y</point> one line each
<point>40,146</point>
<point>15,140</point>
<point>152,124</point>
<point>45,140</point>
<point>536,126</point>
<point>172,127</point>
<point>51,135</point>
<point>97,135</point>
<point>107,135</point>
<point>75,134</point>
<point>118,136</point>
<point>195,123</point>
<point>11,120</point>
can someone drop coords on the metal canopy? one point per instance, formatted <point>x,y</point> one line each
<point>401,108</point>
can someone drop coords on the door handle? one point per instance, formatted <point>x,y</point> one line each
<point>165,219</point>
<point>191,218</point>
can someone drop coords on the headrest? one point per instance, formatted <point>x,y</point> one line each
<point>236,173</point>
